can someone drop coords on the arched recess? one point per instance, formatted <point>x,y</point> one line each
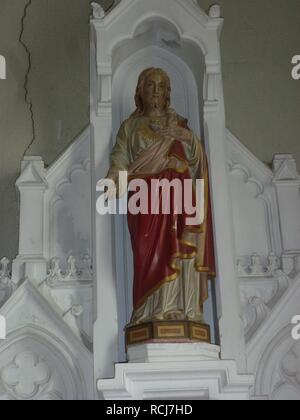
<point>157,46</point>
<point>182,29</point>
<point>156,42</point>
<point>44,366</point>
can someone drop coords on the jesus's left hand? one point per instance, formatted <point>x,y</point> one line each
<point>179,133</point>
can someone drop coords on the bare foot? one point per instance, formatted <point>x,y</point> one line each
<point>174,316</point>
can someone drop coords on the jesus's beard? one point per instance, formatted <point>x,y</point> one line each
<point>157,104</point>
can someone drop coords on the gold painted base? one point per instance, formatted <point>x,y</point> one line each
<point>167,332</point>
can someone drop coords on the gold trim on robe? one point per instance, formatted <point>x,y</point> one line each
<point>142,153</point>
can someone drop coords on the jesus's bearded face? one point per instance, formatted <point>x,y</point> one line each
<point>154,94</point>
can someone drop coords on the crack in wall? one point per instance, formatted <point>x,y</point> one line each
<point>26,82</point>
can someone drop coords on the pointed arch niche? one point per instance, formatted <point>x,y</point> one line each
<point>179,37</point>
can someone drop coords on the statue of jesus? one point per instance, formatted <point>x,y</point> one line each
<point>172,260</point>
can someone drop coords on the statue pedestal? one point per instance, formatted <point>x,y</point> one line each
<point>177,380</point>
<point>168,332</point>
<point>172,352</point>
<point>174,361</point>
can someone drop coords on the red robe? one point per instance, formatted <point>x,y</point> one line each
<point>158,247</point>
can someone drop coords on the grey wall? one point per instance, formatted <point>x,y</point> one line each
<point>259,39</point>
<point>54,42</point>
<point>262,101</point>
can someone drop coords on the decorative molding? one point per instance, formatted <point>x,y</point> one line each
<point>207,380</point>
<point>77,272</point>
<point>268,197</point>
<point>105,26</point>
<point>291,263</point>
<point>32,185</point>
<point>80,146</point>
<point>247,177</point>
<point>25,376</point>
<point>32,174</point>
<point>282,284</point>
<point>35,325</point>
<point>257,267</point>
<point>290,368</point>
<point>28,376</point>
<point>172,352</point>
<point>98,12</point>
<point>5,273</point>
<point>7,287</point>
<point>105,90</point>
<point>238,153</point>
<point>69,292</point>
<point>260,175</point>
<point>291,364</point>
<point>287,182</point>
<point>191,7</point>
<point>259,300</point>
<point>285,170</point>
<point>58,197</point>
<point>215,11</point>
<point>260,311</point>
<point>212,92</point>
<point>69,186</point>
<point>210,108</point>
<point>283,305</point>
<point>83,166</point>
<point>278,370</point>
<point>263,284</point>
